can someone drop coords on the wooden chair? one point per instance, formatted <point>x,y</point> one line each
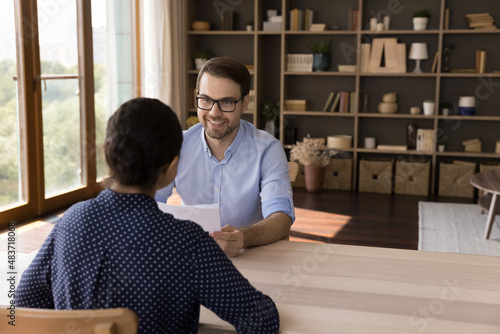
<point>293,170</point>
<point>42,321</point>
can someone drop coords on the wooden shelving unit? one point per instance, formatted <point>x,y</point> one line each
<point>267,50</point>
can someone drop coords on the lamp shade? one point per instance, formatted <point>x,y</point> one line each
<point>418,51</point>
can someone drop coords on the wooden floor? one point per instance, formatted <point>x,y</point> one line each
<point>365,219</point>
<point>342,217</point>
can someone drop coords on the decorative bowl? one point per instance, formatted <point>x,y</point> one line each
<point>200,25</point>
<point>387,107</point>
<point>389,97</point>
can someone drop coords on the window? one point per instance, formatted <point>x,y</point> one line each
<point>54,104</point>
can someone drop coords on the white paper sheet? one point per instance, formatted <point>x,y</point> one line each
<point>206,215</point>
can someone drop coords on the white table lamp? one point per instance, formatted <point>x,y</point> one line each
<point>418,52</point>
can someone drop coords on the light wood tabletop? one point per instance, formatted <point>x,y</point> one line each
<point>489,181</point>
<point>328,288</point>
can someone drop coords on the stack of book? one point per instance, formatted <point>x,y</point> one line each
<point>480,21</point>
<point>426,140</point>
<point>301,19</point>
<point>472,145</point>
<point>343,100</point>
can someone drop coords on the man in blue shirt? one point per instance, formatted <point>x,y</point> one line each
<point>226,160</point>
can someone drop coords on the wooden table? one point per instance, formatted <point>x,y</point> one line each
<point>489,181</point>
<point>328,288</point>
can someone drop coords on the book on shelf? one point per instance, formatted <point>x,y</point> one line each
<point>463,70</point>
<point>471,141</point>
<point>343,101</point>
<point>480,61</point>
<point>434,63</point>
<point>308,19</point>
<point>352,101</point>
<point>393,52</point>
<point>365,57</point>
<point>352,19</point>
<point>335,102</point>
<point>480,21</point>
<point>446,23</point>
<point>392,147</point>
<point>301,19</point>
<point>426,139</point>
<point>318,27</point>
<point>251,99</point>
<point>329,100</point>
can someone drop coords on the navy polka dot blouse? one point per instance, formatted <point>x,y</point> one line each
<point>120,250</point>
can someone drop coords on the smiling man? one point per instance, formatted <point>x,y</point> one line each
<point>226,160</point>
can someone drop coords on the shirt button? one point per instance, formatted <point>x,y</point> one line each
<point>216,189</point>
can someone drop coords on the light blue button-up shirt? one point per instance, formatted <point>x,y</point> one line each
<point>251,183</point>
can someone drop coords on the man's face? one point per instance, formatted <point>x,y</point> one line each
<point>219,124</point>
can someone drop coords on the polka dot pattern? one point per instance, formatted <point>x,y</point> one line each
<point>120,250</point>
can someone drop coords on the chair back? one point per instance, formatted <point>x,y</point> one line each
<point>42,321</point>
<point>293,170</point>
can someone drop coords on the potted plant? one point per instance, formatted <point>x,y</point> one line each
<point>321,58</point>
<point>271,112</point>
<point>446,108</point>
<point>441,142</point>
<point>249,24</point>
<point>315,156</point>
<point>420,19</point>
<point>200,58</point>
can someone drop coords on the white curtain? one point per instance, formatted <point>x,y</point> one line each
<point>163,53</point>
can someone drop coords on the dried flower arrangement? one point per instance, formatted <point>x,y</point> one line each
<point>311,152</point>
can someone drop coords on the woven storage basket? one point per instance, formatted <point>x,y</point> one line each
<point>454,179</point>
<point>412,178</point>
<point>375,176</point>
<point>338,174</point>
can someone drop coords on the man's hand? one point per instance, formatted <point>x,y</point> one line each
<point>230,239</point>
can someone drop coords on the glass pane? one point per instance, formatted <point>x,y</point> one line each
<point>113,70</point>
<point>60,99</point>
<point>10,153</point>
<point>61,136</point>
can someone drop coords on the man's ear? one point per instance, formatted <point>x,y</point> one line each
<point>245,102</point>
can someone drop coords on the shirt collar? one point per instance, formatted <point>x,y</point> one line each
<point>234,145</point>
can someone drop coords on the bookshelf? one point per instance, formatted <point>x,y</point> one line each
<point>267,51</point>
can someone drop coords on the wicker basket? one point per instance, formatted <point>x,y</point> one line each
<point>375,176</point>
<point>338,174</point>
<point>454,179</point>
<point>412,178</point>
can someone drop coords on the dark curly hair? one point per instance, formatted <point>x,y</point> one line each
<point>142,136</point>
<point>229,68</point>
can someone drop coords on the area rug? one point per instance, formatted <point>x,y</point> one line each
<point>456,228</point>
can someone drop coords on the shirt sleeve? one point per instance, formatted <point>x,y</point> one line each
<point>163,194</point>
<point>276,190</point>
<point>222,289</point>
<point>35,287</point>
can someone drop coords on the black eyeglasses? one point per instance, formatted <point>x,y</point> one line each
<point>204,103</point>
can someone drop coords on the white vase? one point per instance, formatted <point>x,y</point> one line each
<point>441,148</point>
<point>249,28</point>
<point>429,108</point>
<point>420,23</point>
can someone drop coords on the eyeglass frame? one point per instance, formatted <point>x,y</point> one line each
<point>217,101</point>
